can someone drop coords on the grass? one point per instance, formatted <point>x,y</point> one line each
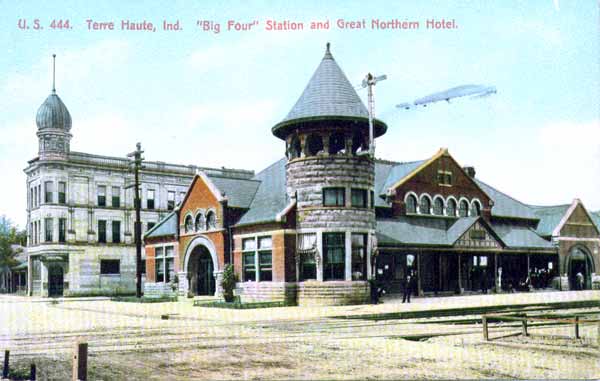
<point>133,299</point>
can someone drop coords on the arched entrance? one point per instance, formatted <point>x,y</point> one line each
<point>55,280</point>
<point>200,271</point>
<point>580,262</point>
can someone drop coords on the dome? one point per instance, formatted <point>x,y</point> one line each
<point>328,95</point>
<point>53,114</point>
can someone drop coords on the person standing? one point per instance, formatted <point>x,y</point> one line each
<point>407,287</point>
<point>579,280</point>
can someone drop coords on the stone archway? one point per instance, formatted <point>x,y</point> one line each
<point>580,261</point>
<point>201,268</point>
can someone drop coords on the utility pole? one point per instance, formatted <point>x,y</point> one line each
<point>369,82</point>
<point>136,166</point>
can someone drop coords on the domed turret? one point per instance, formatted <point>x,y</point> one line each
<point>54,125</point>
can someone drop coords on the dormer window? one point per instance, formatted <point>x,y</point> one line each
<point>451,208</point>
<point>463,210</point>
<point>425,206</point>
<point>438,207</point>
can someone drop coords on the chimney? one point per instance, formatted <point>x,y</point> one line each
<point>470,171</point>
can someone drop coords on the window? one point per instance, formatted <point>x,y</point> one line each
<point>444,178</point>
<point>35,197</point>
<point>475,209</point>
<point>150,225</point>
<point>48,227</point>
<point>199,224</point>
<point>359,256</point>
<point>101,195</point>
<point>62,192</point>
<point>150,199</point>
<point>463,210</point>
<point>337,143</point>
<point>39,195</point>
<point>170,263</point>
<point>334,252</point>
<point>425,207</point>
<point>49,191</point>
<point>480,261</point>
<point>372,194</point>
<point>314,144</point>
<point>189,224</point>
<point>116,231</point>
<point>411,204</point>
<point>265,266</point>
<point>110,266</point>
<point>294,150</point>
<point>359,198</point>
<point>181,197</point>
<point>211,220</point>
<point>334,197</point>
<point>62,227</point>
<point>101,231</point>
<point>438,207</point>
<point>171,200</point>
<point>451,208</point>
<point>306,249</point>
<point>159,264</point>
<point>116,197</point>
<point>249,267</point>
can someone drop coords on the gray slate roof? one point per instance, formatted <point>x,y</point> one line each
<point>520,236</point>
<point>239,192</point>
<point>387,174</point>
<point>506,206</point>
<point>328,93</point>
<point>270,198</point>
<point>596,218</point>
<point>166,227</point>
<point>550,217</point>
<point>53,114</point>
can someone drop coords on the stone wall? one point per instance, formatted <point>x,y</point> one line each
<point>267,292</point>
<point>312,293</point>
<point>159,290</point>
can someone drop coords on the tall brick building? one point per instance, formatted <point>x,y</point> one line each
<point>313,227</point>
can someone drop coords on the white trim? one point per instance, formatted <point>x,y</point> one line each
<point>279,217</point>
<point>476,201</point>
<point>563,221</point>
<point>188,214</point>
<point>213,211</point>
<point>204,241</point>
<point>411,193</point>
<point>443,205</point>
<point>576,239</point>
<point>455,206</point>
<point>468,206</point>
<point>430,203</point>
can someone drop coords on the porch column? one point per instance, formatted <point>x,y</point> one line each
<point>528,267</point>
<point>29,277</point>
<point>439,272</point>
<point>498,286</point>
<point>460,288</point>
<point>419,287</point>
<point>319,253</point>
<point>348,255</point>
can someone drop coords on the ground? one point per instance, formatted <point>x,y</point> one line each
<point>130,341</point>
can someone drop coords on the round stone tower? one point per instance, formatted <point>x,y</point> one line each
<point>331,176</point>
<point>54,125</point>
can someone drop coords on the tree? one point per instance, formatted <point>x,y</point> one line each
<point>9,235</point>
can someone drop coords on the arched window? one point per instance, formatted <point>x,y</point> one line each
<point>463,210</point>
<point>314,144</point>
<point>211,220</point>
<point>189,224</point>
<point>475,209</point>
<point>438,207</point>
<point>411,204</point>
<point>337,143</point>
<point>199,225</point>
<point>425,207</point>
<point>451,208</point>
<point>295,149</point>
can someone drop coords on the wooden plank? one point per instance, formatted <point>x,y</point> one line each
<point>484,322</point>
<point>80,352</point>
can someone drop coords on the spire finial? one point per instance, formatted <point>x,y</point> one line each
<point>328,51</point>
<point>53,73</point>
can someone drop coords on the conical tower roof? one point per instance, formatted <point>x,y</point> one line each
<point>328,95</point>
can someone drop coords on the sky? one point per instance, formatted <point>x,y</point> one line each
<point>199,97</point>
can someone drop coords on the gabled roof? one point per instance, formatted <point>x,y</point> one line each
<point>168,226</point>
<point>270,198</point>
<point>515,236</point>
<point>239,192</point>
<point>596,218</point>
<point>549,217</point>
<point>328,95</point>
<point>428,231</point>
<point>506,206</point>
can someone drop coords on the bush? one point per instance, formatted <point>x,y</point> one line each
<point>228,283</point>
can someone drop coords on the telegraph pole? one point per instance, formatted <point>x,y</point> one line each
<point>369,82</point>
<point>136,165</point>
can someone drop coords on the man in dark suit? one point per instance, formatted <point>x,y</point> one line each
<point>408,281</point>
